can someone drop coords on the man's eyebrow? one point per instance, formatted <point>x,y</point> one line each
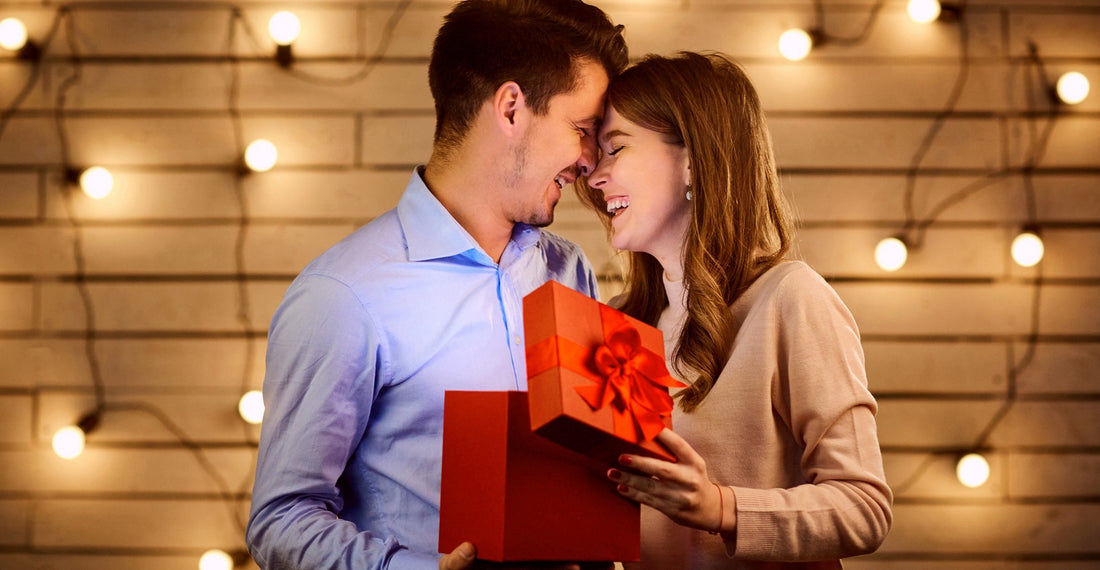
<point>588,122</point>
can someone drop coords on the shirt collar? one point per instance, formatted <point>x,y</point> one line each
<point>431,232</point>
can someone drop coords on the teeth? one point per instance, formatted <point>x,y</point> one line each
<point>615,205</point>
<point>560,182</point>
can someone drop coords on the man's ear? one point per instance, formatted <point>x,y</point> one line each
<point>508,102</point>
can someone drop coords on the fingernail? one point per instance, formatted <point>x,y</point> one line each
<point>614,474</point>
<point>623,488</point>
<point>625,459</point>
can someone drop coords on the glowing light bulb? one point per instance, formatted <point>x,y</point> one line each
<point>795,44</point>
<point>1027,249</point>
<point>251,407</point>
<point>97,182</point>
<point>215,559</point>
<point>68,442</point>
<point>1072,87</point>
<point>13,34</point>
<point>972,470</point>
<point>284,28</point>
<point>261,155</point>
<point>924,11</point>
<point>891,253</point>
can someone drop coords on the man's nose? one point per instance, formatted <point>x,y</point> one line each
<point>589,154</point>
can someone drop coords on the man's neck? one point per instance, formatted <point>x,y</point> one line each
<point>468,190</point>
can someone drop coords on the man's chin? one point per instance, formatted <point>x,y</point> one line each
<point>540,221</point>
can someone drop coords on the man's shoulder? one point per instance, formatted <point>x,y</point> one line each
<point>553,242</point>
<point>377,242</point>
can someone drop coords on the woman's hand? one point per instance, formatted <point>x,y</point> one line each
<point>682,490</point>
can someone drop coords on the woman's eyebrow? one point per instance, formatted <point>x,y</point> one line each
<point>612,133</point>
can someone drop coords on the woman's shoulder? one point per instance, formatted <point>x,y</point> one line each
<point>792,286</point>
<point>790,273</point>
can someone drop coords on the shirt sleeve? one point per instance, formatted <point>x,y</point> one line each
<point>844,507</point>
<point>323,358</point>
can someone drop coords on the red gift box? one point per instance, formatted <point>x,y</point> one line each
<point>520,497</point>
<point>596,377</point>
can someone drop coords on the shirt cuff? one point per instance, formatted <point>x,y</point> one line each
<point>405,559</point>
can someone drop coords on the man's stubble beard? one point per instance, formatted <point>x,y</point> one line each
<point>533,217</point>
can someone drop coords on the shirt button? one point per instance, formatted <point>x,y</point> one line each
<point>516,339</point>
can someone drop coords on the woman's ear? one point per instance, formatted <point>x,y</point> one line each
<point>508,100</point>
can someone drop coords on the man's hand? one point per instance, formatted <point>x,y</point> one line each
<point>460,558</point>
<point>465,555</point>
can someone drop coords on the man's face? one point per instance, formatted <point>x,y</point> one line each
<point>558,147</point>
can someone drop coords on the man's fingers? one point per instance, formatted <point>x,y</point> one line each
<point>460,558</point>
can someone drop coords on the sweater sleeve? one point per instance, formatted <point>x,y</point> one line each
<point>842,507</point>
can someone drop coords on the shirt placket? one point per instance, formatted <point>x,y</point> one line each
<point>511,306</point>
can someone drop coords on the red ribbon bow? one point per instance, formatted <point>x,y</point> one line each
<point>628,377</point>
<point>631,379</point>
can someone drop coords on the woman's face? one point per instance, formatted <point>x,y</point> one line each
<point>644,180</point>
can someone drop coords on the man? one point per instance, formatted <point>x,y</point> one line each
<point>427,297</point>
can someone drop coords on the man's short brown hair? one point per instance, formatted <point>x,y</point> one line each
<point>536,43</point>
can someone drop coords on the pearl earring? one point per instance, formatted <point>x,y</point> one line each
<point>689,195</point>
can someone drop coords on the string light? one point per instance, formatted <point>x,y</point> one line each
<point>923,11</point>
<point>13,34</point>
<point>261,155</point>
<point>13,37</point>
<point>1027,248</point>
<point>891,253</point>
<point>795,44</point>
<point>1072,87</point>
<point>972,470</point>
<point>97,182</point>
<point>215,559</point>
<point>68,442</point>
<point>221,556</point>
<point>251,407</point>
<point>284,28</point>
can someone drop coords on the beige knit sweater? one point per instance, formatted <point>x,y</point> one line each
<point>790,426</point>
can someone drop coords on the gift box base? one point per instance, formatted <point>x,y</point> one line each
<point>520,497</point>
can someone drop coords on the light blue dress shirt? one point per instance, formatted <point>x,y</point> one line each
<point>360,352</point>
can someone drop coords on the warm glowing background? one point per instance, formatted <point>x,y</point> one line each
<point>152,302</point>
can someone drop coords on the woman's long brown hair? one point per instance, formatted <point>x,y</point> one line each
<point>740,223</point>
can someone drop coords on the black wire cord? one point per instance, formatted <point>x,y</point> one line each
<point>1036,151</point>
<point>864,33</point>
<point>64,16</point>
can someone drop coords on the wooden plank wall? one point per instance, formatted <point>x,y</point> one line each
<point>161,293</point>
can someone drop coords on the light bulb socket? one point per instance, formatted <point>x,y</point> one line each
<point>89,422</point>
<point>72,175</point>
<point>30,52</point>
<point>1055,99</point>
<point>950,12</point>
<point>241,169</point>
<point>283,55</point>
<point>1032,228</point>
<point>240,557</point>
<point>817,37</point>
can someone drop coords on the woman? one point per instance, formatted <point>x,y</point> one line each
<point>779,463</point>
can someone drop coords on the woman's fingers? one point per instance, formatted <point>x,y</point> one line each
<point>680,490</point>
<point>679,447</point>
